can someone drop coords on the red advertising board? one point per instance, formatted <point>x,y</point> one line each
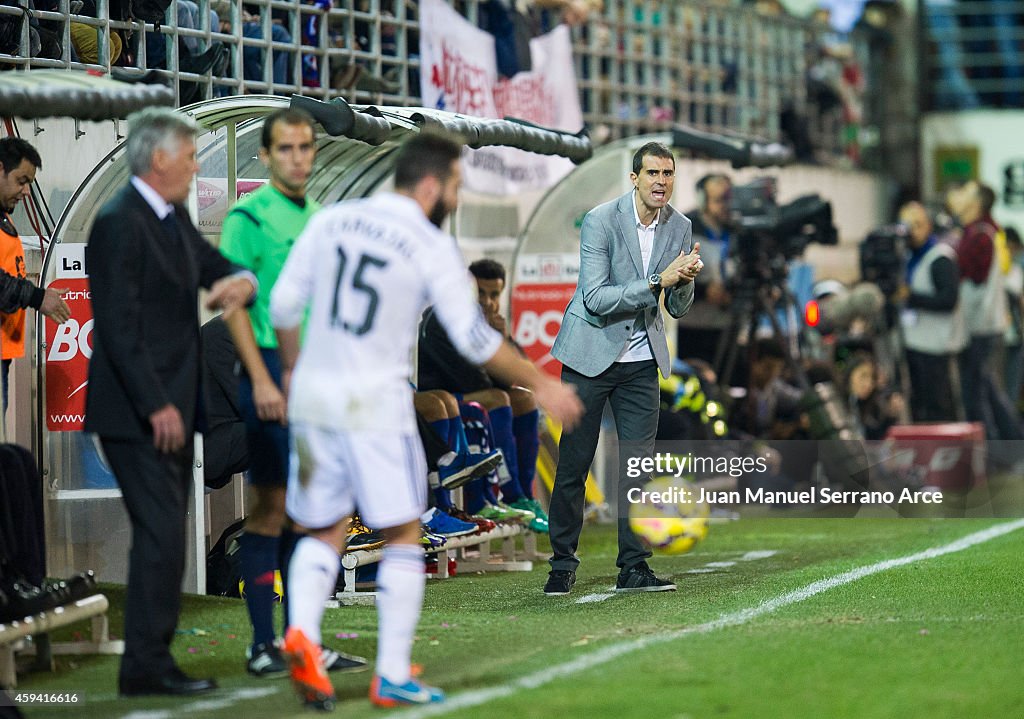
<point>537,311</point>
<point>949,456</point>
<point>68,349</point>
<point>244,188</point>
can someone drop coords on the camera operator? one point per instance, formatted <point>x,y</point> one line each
<point>701,328</point>
<point>983,301</point>
<point>931,319</point>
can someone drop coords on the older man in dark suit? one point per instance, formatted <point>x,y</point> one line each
<point>633,250</point>
<point>147,264</point>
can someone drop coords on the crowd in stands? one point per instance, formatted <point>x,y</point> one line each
<point>976,58</point>
<point>374,51</point>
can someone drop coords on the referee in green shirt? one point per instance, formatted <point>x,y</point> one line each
<point>258,233</point>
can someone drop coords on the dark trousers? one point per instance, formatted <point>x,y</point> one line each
<point>931,391</point>
<point>225,453</point>
<point>5,374</point>
<point>984,399</point>
<point>22,535</point>
<point>155,489</point>
<point>632,390</point>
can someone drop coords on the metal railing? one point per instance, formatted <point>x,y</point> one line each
<point>641,66</point>
<point>972,53</point>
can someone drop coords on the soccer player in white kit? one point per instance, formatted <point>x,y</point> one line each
<point>366,269</point>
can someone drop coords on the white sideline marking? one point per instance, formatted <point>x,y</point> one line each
<point>711,567</point>
<point>465,700</point>
<point>600,597</point>
<point>197,708</point>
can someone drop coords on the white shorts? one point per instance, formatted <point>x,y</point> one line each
<point>334,472</point>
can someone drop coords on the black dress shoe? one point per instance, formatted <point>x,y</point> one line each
<point>175,682</point>
<point>559,582</point>
<point>640,578</point>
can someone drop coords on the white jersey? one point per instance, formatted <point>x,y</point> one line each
<point>367,269</point>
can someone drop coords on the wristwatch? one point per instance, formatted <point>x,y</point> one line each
<point>654,281</point>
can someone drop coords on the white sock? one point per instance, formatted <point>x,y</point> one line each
<point>400,582</point>
<point>312,575</point>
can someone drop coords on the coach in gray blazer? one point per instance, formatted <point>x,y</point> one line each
<point>633,250</point>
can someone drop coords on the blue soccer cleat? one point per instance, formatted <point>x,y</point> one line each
<point>468,466</point>
<point>385,694</point>
<point>447,525</point>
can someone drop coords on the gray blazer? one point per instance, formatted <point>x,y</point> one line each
<point>613,288</point>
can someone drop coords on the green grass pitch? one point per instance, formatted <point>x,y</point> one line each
<point>939,637</point>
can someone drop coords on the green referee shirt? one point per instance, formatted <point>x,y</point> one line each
<point>258,233</point>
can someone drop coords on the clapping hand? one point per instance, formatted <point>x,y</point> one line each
<point>683,269</point>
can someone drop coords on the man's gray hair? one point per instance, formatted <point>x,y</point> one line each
<point>153,128</point>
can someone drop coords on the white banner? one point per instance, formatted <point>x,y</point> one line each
<point>458,73</point>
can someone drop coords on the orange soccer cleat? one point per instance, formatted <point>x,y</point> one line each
<point>307,670</point>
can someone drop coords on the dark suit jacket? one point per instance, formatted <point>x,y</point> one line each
<point>146,347</point>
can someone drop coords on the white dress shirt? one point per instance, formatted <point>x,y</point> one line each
<point>638,348</point>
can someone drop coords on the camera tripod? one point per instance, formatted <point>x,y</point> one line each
<point>751,301</point>
<point>828,415</point>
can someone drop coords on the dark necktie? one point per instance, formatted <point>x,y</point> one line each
<point>170,223</point>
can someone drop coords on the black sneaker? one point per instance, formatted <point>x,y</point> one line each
<point>559,582</point>
<point>265,660</point>
<point>335,661</point>
<point>640,578</point>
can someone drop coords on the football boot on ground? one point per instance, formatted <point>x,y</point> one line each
<point>385,694</point>
<point>307,671</point>
<point>335,661</point>
<point>265,661</point>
